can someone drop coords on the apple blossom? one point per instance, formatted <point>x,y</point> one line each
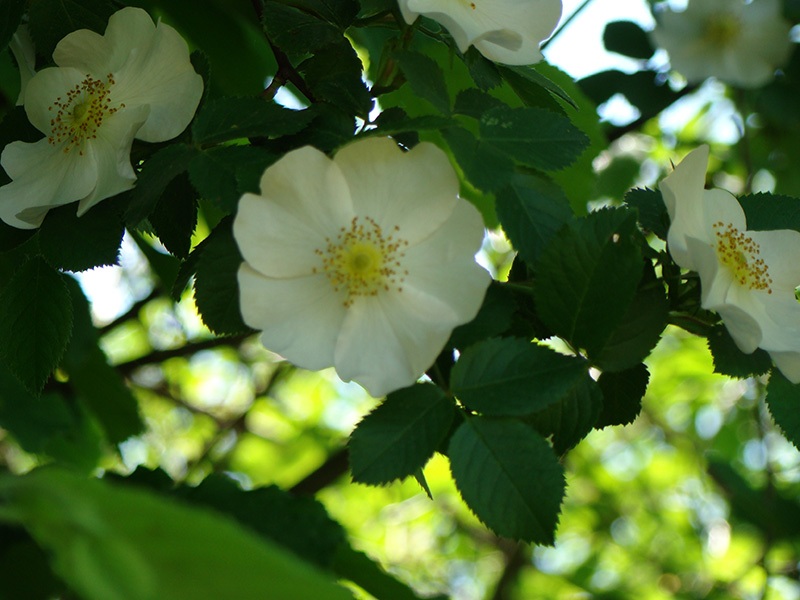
<point>364,262</point>
<point>136,81</point>
<point>748,277</point>
<point>737,42</point>
<point>505,31</point>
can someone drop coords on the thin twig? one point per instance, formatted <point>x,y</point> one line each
<point>161,355</point>
<point>566,23</point>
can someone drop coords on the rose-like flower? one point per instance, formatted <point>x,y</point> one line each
<point>748,277</point>
<point>741,44</point>
<point>364,262</point>
<point>505,31</point>
<point>136,81</point>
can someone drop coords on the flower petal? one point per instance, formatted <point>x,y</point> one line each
<point>788,363</point>
<point>394,187</point>
<point>300,318</point>
<point>21,46</point>
<point>304,200</point>
<point>779,249</point>
<point>744,330</point>
<point>44,89</point>
<point>682,191</point>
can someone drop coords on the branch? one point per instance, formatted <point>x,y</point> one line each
<point>332,469</point>
<point>516,559</point>
<point>126,368</point>
<point>132,313</point>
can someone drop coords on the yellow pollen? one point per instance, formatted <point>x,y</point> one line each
<point>362,260</point>
<point>79,115</point>
<point>740,254</point>
<point>721,29</point>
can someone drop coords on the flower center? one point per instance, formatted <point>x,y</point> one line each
<point>80,114</point>
<point>740,254</point>
<point>722,29</point>
<point>362,261</point>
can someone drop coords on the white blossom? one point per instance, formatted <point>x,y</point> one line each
<point>136,81</point>
<point>747,277</point>
<point>505,31</point>
<point>739,43</point>
<point>364,262</point>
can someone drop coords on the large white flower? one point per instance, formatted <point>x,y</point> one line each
<point>505,31</point>
<point>364,262</point>
<point>737,42</point>
<point>136,81</point>
<point>748,277</point>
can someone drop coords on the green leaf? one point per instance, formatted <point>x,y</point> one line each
<point>77,244</point>
<point>394,121</point>
<point>11,12</point>
<point>629,39</point>
<point>226,119</point>
<point>533,137</point>
<point>493,319</point>
<point>164,266</point>
<point>158,171</point>
<point>622,395</point>
<point>510,478</point>
<point>295,31</point>
<point>531,211</point>
<point>35,323</point>
<point>765,211</point>
<point>51,21</point>
<point>510,376</point>
<point>587,276</point>
<point>23,567</point>
<point>216,289</point>
<point>570,419</point>
<point>646,90</point>
<point>334,74</point>
<point>119,543</point>
<point>730,361</point>
<point>484,72</point>
<point>328,130</point>
<point>473,103</point>
<point>341,13</point>
<point>399,436</point>
<point>783,402</point>
<point>653,214</point>
<point>175,216</point>
<point>97,384</point>
<point>425,78</point>
<point>484,166</point>
<point>534,89</point>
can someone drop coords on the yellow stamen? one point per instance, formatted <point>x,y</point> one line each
<point>740,254</point>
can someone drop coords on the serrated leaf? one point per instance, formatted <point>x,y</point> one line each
<point>533,137</point>
<point>484,72</point>
<point>399,436</point>
<point>513,74</point>
<point>509,477</point>
<point>399,123</point>
<point>629,39</point>
<point>622,395</point>
<point>425,78</point>
<point>295,31</point>
<point>175,216</point>
<point>766,212</point>
<point>334,74</point>
<point>51,21</point>
<point>111,542</point>
<point>493,319</point>
<point>164,266</point>
<point>510,376</point>
<point>730,361</point>
<point>473,103</point>
<point>226,119</point>
<point>216,289</point>
<point>77,244</point>
<point>341,13</point>
<point>587,276</point>
<point>330,128</point>
<point>10,16</point>
<point>158,171</point>
<point>485,167</point>
<point>653,214</point>
<point>783,402</point>
<point>531,211</point>
<point>570,419</point>
<point>35,323</point>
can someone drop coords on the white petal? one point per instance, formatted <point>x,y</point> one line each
<point>44,89</point>
<point>682,191</point>
<point>788,363</point>
<point>397,188</point>
<point>300,318</point>
<point>21,46</point>
<point>780,250</point>
<point>304,201</point>
<point>715,280</point>
<point>44,176</point>
<point>778,316</point>
<point>743,328</point>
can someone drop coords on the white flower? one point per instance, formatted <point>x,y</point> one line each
<point>505,31</point>
<point>364,262</point>
<point>134,81</point>
<point>741,44</point>
<point>748,277</point>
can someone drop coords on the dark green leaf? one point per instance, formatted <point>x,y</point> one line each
<point>622,395</point>
<point>425,78</point>
<point>531,211</point>
<point>765,211</point>
<point>98,384</point>
<point>730,361</point>
<point>164,266</point>
<point>587,276</point>
<point>627,38</point>
<point>616,179</point>
<point>23,567</point>
<point>493,319</point>
<point>334,75</point>
<point>484,72</point>
<point>10,16</point>
<point>509,477</point>
<point>296,32</point>
<point>158,171</point>
<point>216,289</point>
<point>510,376</point>
<point>51,21</point>
<point>570,419</point>
<point>653,214</point>
<point>485,167</point>
<point>397,438</point>
<point>644,89</point>
<point>341,13</point>
<point>77,244</point>
<point>175,216</point>
<point>532,136</point>
<point>534,89</point>
<point>473,103</point>
<point>226,119</point>
<point>394,121</point>
<point>35,323</point>
<point>783,401</point>
<point>328,130</point>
